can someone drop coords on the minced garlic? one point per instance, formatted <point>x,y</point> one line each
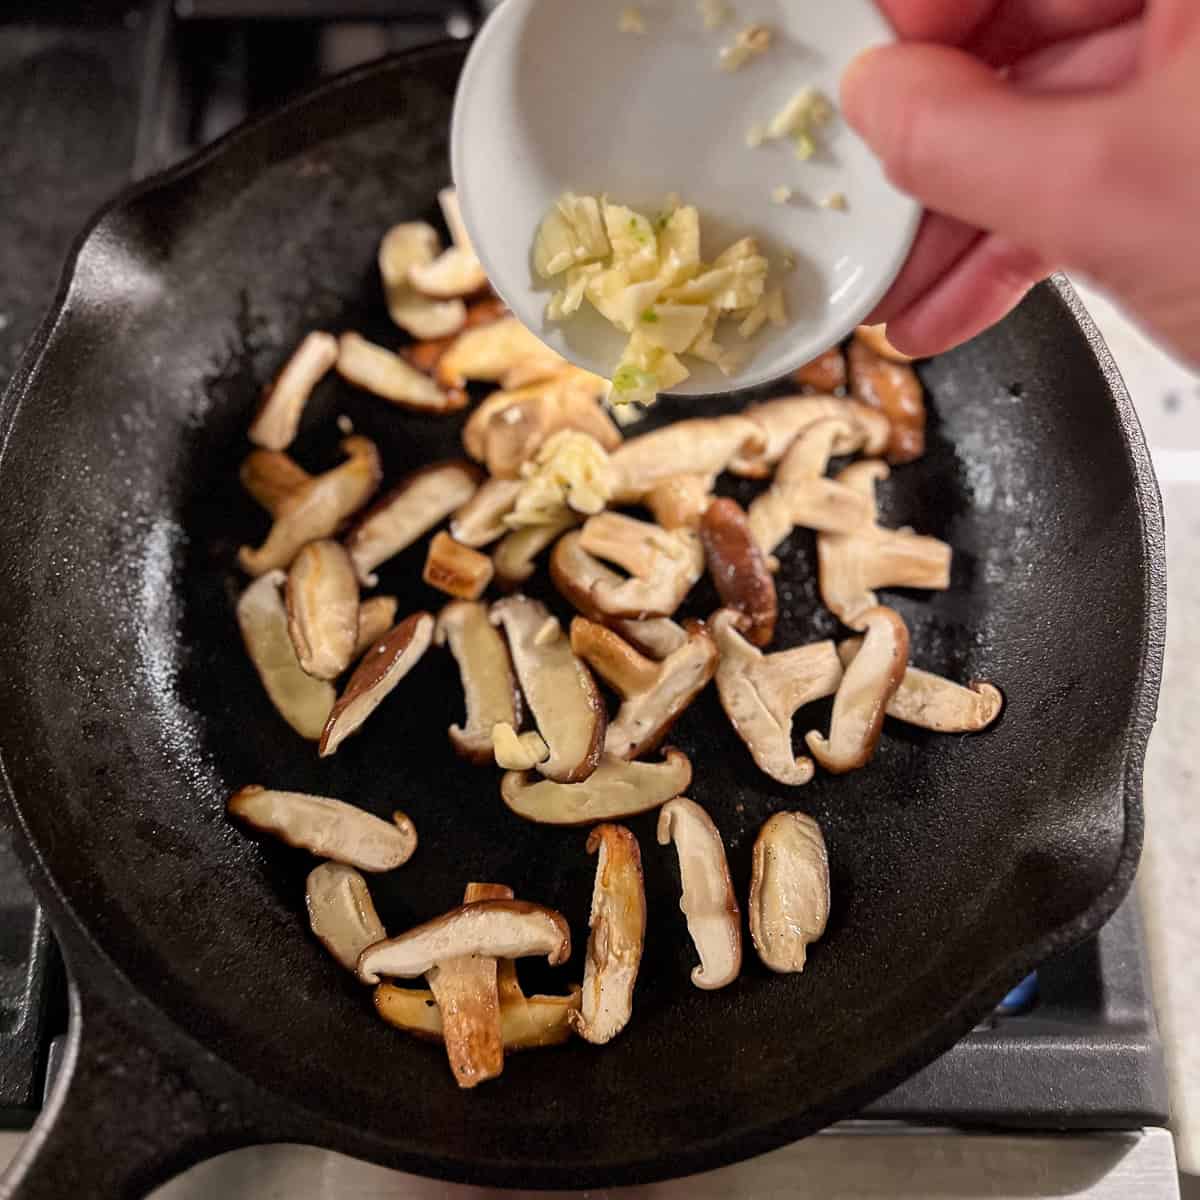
<point>750,42</point>
<point>569,473</point>
<point>782,194</point>
<point>800,119</point>
<point>517,751</point>
<point>836,201</point>
<point>714,13</point>
<point>631,21</point>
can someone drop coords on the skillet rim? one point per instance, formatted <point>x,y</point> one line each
<point>728,1148</point>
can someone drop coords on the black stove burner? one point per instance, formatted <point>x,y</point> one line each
<point>88,103</point>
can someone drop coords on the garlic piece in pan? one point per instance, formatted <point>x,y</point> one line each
<point>713,917</point>
<point>328,828</point>
<point>340,912</point>
<point>789,890</point>
<point>617,933</point>
<point>518,751</point>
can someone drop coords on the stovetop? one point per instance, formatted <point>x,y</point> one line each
<point>88,104</point>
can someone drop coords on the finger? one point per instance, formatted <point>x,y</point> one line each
<point>1020,27</point>
<point>940,243</point>
<point>952,133</point>
<point>936,20</point>
<point>985,286</point>
<point>1098,61</point>
<point>1171,25</point>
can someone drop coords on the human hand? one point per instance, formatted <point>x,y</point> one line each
<point>1041,135</point>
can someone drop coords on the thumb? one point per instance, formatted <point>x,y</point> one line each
<point>1040,170</point>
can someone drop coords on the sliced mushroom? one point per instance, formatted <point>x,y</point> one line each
<point>617,933</point>
<point>679,502</point>
<point>851,565</point>
<point>403,247</point>
<point>488,352</point>
<point>761,693</point>
<point>426,354</point>
<point>272,478</point>
<point>452,274</point>
<point>559,689</point>
<point>490,688</point>
<point>703,447</point>
<point>375,617</point>
<point>499,928</point>
<point>875,336</point>
<point>869,683</point>
<point>480,521</point>
<point>653,636</point>
<point>468,1001</point>
<point>388,376</point>
<point>526,1023</point>
<point>654,694</point>
<point>515,556</point>
<point>789,890</point>
<point>407,512</point>
<point>894,388</point>
<point>327,828</point>
<point>615,790</point>
<point>931,701</point>
<point>278,417</point>
<point>713,917</point>
<point>825,374</point>
<point>381,669</point>
<point>781,422</point>
<point>509,427</point>
<point>455,569</point>
<point>318,508</point>
<point>671,564</point>
<point>340,912</point>
<point>322,606</point>
<point>801,495</point>
<point>739,569</point>
<point>302,701</point>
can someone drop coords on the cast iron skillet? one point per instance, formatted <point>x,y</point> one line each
<point>207,1017</point>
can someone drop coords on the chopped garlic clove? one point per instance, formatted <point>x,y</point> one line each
<point>631,21</point>
<point>837,202</point>
<point>715,13</point>
<point>672,327</point>
<point>749,43</point>
<point>782,194</point>
<point>518,751</point>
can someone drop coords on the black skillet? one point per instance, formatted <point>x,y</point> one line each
<point>207,1017</point>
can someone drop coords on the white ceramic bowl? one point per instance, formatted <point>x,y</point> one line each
<point>555,98</point>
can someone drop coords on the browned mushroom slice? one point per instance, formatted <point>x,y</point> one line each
<point>801,495</point>
<point>738,569</point>
<point>499,928</point>
<point>653,694</point>
<point>382,668</point>
<point>408,511</point>
<point>487,352</point>
<point>318,508</point>
<point>515,556</point>
<point>852,565</point>
<point>375,617</point>
<point>894,389</point>
<point>403,247</point>
<point>617,933</point>
<point>322,605</point>
<point>278,417</point>
<point>653,636</point>
<point>713,917</point>
<point>559,689</point>
<point>340,912</point>
<point>327,828</point>
<point>782,421</point>
<point>615,790</point>
<point>665,567</point>
<point>490,688</point>
<point>301,700</point>
<point>703,447</point>
<point>480,521</point>
<point>761,693</point>
<point>869,683</point>
<point>388,376</point>
<point>455,569</point>
<point>526,1023</point>
<point>789,890</point>
<point>679,502</point>
<point>272,478</point>
<point>426,354</point>
<point>825,374</point>
<point>876,337</point>
<point>931,701</point>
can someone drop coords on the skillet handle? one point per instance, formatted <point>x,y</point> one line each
<point>128,1109</point>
